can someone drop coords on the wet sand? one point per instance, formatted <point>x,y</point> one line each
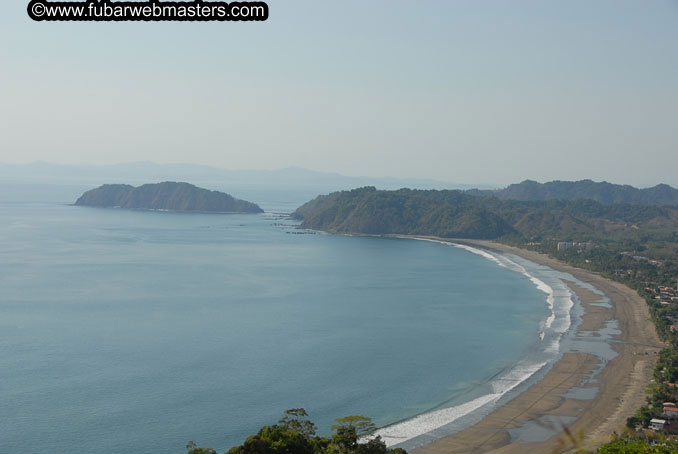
<point>535,420</point>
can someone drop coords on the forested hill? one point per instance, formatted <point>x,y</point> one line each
<point>603,192</point>
<point>457,214</point>
<point>165,196</point>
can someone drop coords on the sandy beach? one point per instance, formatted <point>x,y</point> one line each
<point>543,408</point>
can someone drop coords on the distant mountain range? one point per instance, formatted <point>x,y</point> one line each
<point>603,192</point>
<point>280,190</point>
<point>145,171</point>
<point>286,189</point>
<point>165,196</point>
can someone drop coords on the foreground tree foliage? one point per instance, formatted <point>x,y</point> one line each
<point>633,447</point>
<point>295,434</point>
<point>629,442</point>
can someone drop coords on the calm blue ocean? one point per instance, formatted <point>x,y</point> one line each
<point>131,331</point>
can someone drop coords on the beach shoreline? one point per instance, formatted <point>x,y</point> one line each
<point>552,403</point>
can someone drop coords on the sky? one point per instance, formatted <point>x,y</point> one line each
<point>464,91</point>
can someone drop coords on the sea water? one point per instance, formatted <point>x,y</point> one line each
<point>137,331</point>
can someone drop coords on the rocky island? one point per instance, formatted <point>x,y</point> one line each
<point>168,195</point>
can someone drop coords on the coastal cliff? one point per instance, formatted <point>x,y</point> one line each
<point>165,196</point>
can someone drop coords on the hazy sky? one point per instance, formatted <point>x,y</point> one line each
<point>464,91</point>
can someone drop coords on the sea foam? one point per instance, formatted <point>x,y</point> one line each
<point>427,422</point>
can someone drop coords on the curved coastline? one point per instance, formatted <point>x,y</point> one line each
<point>598,379</point>
<point>443,420</point>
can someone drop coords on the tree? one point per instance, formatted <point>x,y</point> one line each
<point>294,434</point>
<point>275,440</point>
<point>344,441</point>
<point>295,420</point>
<point>193,448</point>
<point>350,430</point>
<point>635,447</point>
<point>362,425</point>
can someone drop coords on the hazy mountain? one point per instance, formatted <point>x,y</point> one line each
<point>133,172</point>
<point>274,190</point>
<point>603,192</point>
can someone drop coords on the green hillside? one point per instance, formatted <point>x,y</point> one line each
<point>603,192</point>
<point>457,214</point>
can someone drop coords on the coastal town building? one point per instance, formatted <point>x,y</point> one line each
<point>657,424</point>
<point>670,412</point>
<point>663,425</point>
<point>566,246</point>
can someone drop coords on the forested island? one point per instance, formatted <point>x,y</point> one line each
<point>168,195</point>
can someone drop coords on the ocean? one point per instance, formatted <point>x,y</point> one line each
<point>137,331</point>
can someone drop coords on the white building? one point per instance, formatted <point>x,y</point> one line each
<point>657,424</point>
